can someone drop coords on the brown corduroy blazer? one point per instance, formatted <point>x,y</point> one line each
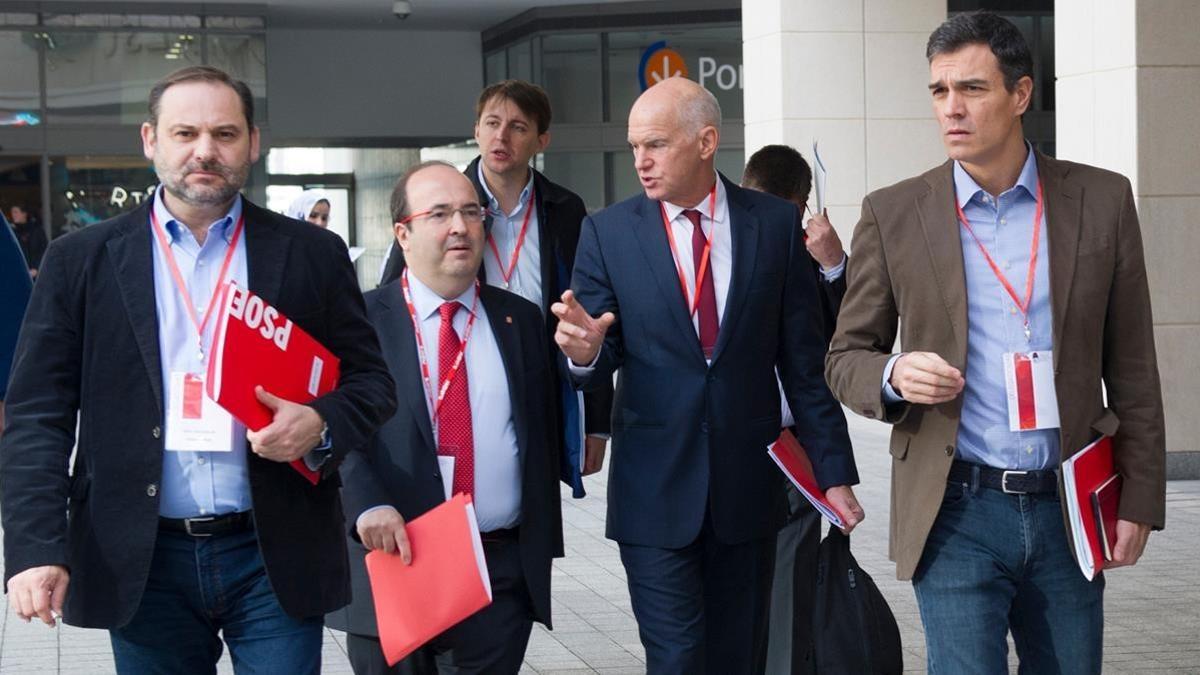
<point>906,274</point>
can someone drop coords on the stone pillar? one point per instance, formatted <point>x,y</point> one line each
<point>851,75</point>
<point>1127,94</point>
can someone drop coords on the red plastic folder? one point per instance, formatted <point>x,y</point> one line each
<point>446,582</point>
<point>1091,487</point>
<point>793,461</point>
<point>255,344</point>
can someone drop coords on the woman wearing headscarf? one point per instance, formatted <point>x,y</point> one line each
<point>311,205</point>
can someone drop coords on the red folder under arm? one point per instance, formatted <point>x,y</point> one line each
<point>254,344</point>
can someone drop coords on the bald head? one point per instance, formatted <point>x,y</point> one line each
<point>674,131</point>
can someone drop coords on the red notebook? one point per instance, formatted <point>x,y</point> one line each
<point>254,344</point>
<point>1092,489</point>
<point>446,582</point>
<point>793,461</point>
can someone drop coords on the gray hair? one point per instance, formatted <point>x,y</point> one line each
<point>699,111</point>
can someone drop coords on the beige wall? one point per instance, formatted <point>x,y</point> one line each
<point>851,74</point>
<point>1128,96</point>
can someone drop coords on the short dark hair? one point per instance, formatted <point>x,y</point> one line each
<point>399,201</point>
<point>779,170</point>
<point>985,28</point>
<point>202,74</point>
<point>528,97</point>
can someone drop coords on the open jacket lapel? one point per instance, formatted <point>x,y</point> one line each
<point>509,342</point>
<point>266,254</point>
<point>395,330</point>
<point>744,232</point>
<point>939,223</point>
<point>648,229</point>
<point>1063,215</point>
<point>134,262</point>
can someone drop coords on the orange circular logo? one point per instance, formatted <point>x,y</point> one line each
<point>658,63</point>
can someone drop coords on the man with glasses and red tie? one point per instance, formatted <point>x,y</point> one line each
<point>475,387</point>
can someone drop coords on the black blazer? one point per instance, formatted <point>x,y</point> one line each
<point>400,467</point>
<point>688,437</point>
<point>560,213</point>
<point>90,346</point>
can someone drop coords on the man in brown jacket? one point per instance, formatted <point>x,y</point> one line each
<point>1001,254</point>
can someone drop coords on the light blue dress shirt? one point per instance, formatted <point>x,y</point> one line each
<point>197,483</point>
<point>497,457</point>
<point>996,326</point>
<point>526,279</point>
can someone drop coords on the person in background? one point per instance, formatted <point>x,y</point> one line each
<point>782,171</point>
<point>312,206</point>
<point>31,235</point>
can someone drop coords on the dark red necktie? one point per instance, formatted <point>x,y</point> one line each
<point>708,296</point>
<point>454,416</point>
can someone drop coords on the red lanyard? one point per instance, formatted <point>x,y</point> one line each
<point>516,254</point>
<point>694,302</point>
<point>1037,224</point>
<point>435,404</point>
<point>179,283</point>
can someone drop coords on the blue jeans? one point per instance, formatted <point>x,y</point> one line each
<point>199,586</point>
<point>996,562</point>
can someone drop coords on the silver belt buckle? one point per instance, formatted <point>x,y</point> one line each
<point>1004,482</point>
<point>187,525</point>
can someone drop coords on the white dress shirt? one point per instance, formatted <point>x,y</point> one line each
<point>526,279</point>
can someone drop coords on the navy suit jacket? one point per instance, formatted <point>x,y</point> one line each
<point>89,347</point>
<point>400,468</point>
<point>689,437</point>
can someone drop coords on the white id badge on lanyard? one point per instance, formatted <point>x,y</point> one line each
<point>1029,384</point>
<point>195,423</point>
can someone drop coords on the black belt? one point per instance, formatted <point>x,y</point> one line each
<point>509,534</point>
<point>207,526</point>
<point>1008,481</point>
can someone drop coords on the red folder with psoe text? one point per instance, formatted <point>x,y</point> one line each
<point>793,461</point>
<point>254,344</point>
<point>1092,490</point>
<point>446,582</point>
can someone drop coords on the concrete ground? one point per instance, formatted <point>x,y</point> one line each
<point>1152,610</point>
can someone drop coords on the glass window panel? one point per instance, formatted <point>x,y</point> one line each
<point>731,162</point>
<point>85,190</point>
<point>20,103</point>
<point>520,63</point>
<point>495,68</point>
<point>571,76</point>
<point>624,177</point>
<point>105,77</point>
<point>580,172</point>
<point>711,56</point>
<point>244,57</point>
<point>17,19</point>
<point>234,22</point>
<point>177,21</point>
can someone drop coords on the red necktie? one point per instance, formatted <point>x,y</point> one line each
<point>454,414</point>
<point>708,296</point>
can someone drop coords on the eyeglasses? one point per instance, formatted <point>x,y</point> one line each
<point>471,213</point>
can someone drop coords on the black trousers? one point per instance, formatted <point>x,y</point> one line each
<point>491,641</point>
<point>789,641</point>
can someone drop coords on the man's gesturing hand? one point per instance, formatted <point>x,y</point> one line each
<point>295,430</point>
<point>383,530</point>
<point>39,591</point>
<point>579,336</point>
<point>925,377</point>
